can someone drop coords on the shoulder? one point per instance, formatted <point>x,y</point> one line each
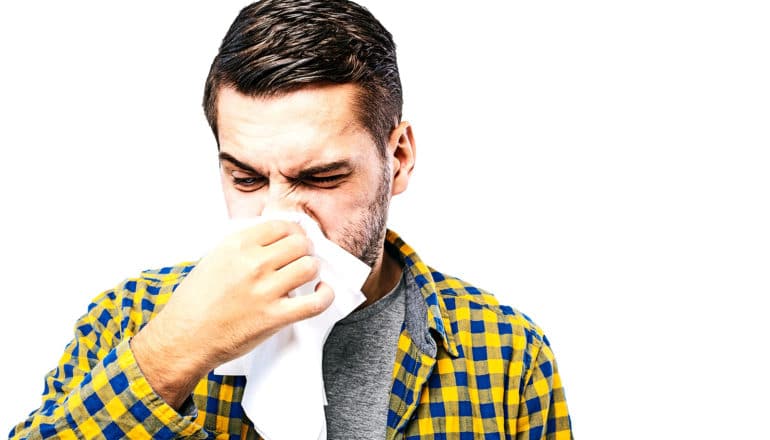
<point>478,319</point>
<point>465,302</point>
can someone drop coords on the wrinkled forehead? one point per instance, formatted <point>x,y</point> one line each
<point>310,124</point>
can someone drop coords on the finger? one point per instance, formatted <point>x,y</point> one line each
<point>284,251</point>
<point>306,306</point>
<point>269,232</point>
<point>298,272</point>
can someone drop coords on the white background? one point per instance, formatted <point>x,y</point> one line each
<point>602,166</point>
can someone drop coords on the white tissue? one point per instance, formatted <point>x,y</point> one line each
<point>284,395</point>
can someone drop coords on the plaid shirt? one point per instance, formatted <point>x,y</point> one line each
<point>491,374</point>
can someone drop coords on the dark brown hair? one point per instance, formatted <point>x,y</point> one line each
<point>278,46</point>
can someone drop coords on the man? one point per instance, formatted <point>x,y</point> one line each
<point>304,100</point>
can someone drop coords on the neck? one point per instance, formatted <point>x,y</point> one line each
<point>383,278</point>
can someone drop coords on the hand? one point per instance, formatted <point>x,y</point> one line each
<point>235,298</point>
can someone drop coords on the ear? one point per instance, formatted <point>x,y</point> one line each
<point>401,152</point>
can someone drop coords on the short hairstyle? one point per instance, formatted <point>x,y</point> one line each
<point>275,47</point>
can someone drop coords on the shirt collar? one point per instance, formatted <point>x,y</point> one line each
<point>437,318</point>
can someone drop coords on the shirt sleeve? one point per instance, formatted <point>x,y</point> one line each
<point>98,391</point>
<point>542,409</point>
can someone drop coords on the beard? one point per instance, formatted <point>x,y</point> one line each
<point>365,237</point>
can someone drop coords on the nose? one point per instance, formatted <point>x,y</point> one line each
<point>284,197</point>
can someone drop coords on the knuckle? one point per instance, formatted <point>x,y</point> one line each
<point>258,264</point>
<point>256,292</point>
<point>259,289</point>
<point>269,318</point>
<point>259,268</point>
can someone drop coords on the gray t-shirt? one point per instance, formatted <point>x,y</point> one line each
<point>358,368</point>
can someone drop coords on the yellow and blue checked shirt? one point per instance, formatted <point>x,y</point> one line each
<point>490,374</point>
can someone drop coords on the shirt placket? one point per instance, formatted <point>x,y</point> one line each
<point>410,374</point>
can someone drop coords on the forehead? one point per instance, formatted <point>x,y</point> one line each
<point>308,117</point>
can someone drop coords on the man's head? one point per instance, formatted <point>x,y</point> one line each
<point>275,47</point>
<point>304,99</point>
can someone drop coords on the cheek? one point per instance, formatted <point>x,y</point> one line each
<point>336,212</point>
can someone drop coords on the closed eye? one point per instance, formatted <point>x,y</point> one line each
<point>323,182</point>
<point>245,180</point>
<point>324,179</point>
<point>250,183</point>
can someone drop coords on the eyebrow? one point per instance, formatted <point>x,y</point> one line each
<point>304,174</point>
<point>236,162</point>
